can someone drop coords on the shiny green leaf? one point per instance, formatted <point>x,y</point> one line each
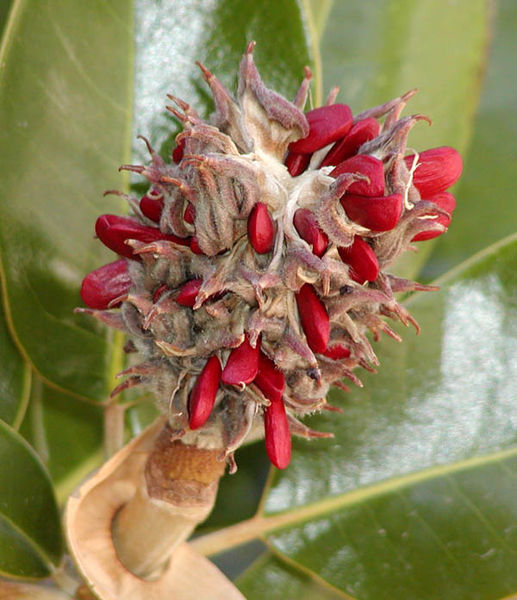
<point>170,40</point>
<point>5,6</point>
<point>15,377</point>
<point>380,49</point>
<point>274,579</point>
<point>451,536</point>
<point>64,129</point>
<point>66,434</point>
<point>443,396</point>
<point>486,191</point>
<point>422,469</point>
<point>29,518</point>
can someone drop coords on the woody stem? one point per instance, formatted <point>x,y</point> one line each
<point>178,490</point>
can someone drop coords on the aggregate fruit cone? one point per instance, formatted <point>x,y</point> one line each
<point>251,272</point>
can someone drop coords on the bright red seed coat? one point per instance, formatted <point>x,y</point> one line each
<point>152,207</point>
<point>365,165</point>
<point>102,286</point>
<point>194,245</point>
<point>242,365</point>
<point>446,201</point>
<point>437,170</point>
<point>377,214</point>
<point>159,291</point>
<point>362,260</point>
<point>326,125</point>
<point>361,132</point>
<point>188,292</point>
<point>113,231</point>
<point>269,379</point>
<point>297,163</point>
<point>307,226</point>
<point>314,318</point>
<point>190,214</point>
<point>277,436</point>
<point>202,396</point>
<point>177,153</point>
<point>261,229</point>
<point>429,234</point>
<point>337,352</point>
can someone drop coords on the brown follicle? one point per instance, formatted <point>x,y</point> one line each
<point>127,544</point>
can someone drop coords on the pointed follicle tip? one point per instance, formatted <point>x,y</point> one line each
<point>207,75</point>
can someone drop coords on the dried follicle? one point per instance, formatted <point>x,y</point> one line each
<point>253,272</point>
<point>126,524</point>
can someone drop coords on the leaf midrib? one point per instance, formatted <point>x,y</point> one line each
<point>258,526</point>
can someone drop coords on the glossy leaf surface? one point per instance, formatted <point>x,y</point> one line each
<point>379,50</point>
<point>64,126</point>
<point>14,377</point>
<point>66,434</point>
<point>422,469</point>
<point>273,578</point>
<point>169,40</point>
<point>31,539</point>
<point>486,192</point>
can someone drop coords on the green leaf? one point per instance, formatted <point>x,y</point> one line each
<point>379,50</point>
<point>422,468</point>
<point>272,578</point>
<point>5,6</point>
<point>29,518</point>
<point>64,129</point>
<point>486,191</point>
<point>382,546</point>
<point>15,377</point>
<point>169,41</point>
<point>66,434</point>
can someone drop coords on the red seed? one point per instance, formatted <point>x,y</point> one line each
<point>277,436</point>
<point>177,153</point>
<point>261,229</point>
<point>377,214</point>
<point>194,245</point>
<point>152,206</point>
<point>337,352</point>
<point>314,318</point>
<point>362,260</point>
<point>102,286</point>
<point>444,200</point>
<point>159,291</point>
<point>190,214</point>
<point>307,226</point>
<point>437,170</point>
<point>297,163</point>
<point>361,132</point>
<point>269,379</point>
<point>429,234</point>
<point>326,125</point>
<point>365,165</point>
<point>242,364</point>
<point>188,292</point>
<point>113,231</point>
<point>447,202</point>
<point>202,396</point>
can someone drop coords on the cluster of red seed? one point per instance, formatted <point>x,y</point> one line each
<point>233,308</point>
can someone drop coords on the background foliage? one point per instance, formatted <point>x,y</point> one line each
<point>415,497</point>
